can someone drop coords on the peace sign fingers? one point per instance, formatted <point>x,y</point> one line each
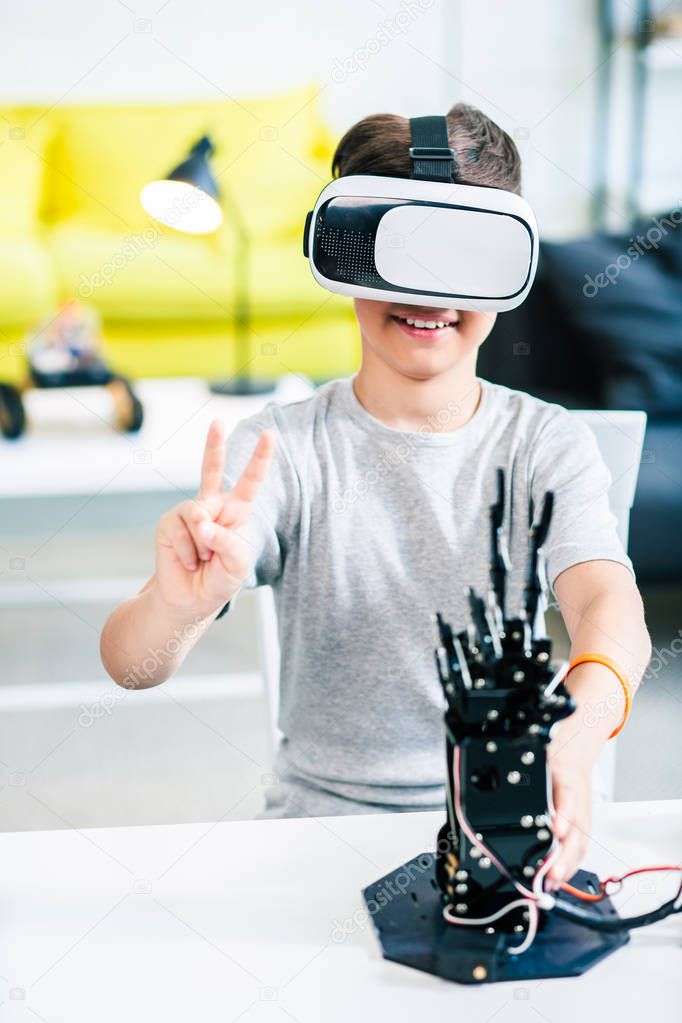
<point>238,502</point>
<point>213,465</point>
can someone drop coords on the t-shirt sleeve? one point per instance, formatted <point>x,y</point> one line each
<point>275,511</point>
<point>566,460</point>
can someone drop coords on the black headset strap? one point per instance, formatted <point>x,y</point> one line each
<point>432,158</point>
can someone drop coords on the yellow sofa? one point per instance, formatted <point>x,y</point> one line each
<point>71,225</point>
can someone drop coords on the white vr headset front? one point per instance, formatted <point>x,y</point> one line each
<point>423,242</point>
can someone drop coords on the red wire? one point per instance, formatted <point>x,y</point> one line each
<point>602,894</point>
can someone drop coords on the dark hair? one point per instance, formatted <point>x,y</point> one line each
<point>379,144</point>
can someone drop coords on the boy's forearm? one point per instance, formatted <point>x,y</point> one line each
<point>145,641</point>
<point>612,623</point>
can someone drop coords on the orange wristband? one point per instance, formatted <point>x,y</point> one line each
<point>608,663</point>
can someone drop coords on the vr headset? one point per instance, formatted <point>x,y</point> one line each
<point>423,240</point>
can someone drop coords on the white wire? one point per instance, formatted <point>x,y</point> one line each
<point>558,677</point>
<point>534,896</point>
<point>469,922</point>
<point>533,917</point>
<point>539,878</point>
<point>534,907</point>
<point>469,831</point>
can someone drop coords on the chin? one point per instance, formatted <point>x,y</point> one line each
<point>420,364</point>
<point>422,342</point>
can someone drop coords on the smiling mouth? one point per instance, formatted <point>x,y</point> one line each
<point>423,326</point>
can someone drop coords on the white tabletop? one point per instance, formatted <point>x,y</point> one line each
<point>239,921</point>
<point>72,447</point>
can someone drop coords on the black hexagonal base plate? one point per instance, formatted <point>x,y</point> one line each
<point>406,909</point>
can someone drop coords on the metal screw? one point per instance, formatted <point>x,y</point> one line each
<point>484,863</point>
<point>475,853</point>
<point>543,835</point>
<point>518,928</point>
<point>479,972</point>
<point>479,683</point>
<point>543,656</point>
<point>528,872</point>
<point>514,777</point>
<point>461,875</point>
<point>516,635</point>
<point>461,889</point>
<point>533,729</point>
<point>527,820</point>
<point>493,715</point>
<point>528,757</point>
<point>491,747</point>
<point>461,908</point>
<point>519,676</point>
<point>540,820</point>
<point>490,930</point>
<point>546,717</point>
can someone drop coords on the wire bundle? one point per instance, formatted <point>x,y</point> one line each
<point>536,898</point>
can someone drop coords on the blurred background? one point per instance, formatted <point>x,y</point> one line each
<point>112,327</point>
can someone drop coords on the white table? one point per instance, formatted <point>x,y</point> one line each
<point>237,921</point>
<point>71,446</point>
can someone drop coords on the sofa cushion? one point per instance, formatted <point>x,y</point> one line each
<point>621,296</point>
<point>24,138</point>
<point>152,274</point>
<point>159,275</point>
<point>270,155</point>
<point>315,346</point>
<point>27,281</point>
<point>282,284</point>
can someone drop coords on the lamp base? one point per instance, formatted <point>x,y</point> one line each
<point>242,386</point>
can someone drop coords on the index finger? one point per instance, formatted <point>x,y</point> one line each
<point>248,484</point>
<point>213,465</point>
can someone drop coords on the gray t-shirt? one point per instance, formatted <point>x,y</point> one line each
<point>364,532</point>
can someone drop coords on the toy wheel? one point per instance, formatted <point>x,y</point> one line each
<point>12,414</point>
<point>129,412</point>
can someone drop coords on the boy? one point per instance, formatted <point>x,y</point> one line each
<point>366,508</point>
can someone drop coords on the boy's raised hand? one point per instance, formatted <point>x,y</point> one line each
<point>202,557</point>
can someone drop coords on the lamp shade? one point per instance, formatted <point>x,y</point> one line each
<point>186,199</point>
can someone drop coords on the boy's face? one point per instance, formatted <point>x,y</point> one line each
<point>422,352</point>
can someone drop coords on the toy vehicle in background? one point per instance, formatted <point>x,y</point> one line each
<point>66,352</point>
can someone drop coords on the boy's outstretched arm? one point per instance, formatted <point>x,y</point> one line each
<point>603,613</point>
<point>202,559</point>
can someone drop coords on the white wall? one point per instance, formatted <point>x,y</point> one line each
<point>530,65</point>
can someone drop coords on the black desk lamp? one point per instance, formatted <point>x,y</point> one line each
<point>187,200</point>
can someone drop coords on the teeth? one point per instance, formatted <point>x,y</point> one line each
<point>426,324</point>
